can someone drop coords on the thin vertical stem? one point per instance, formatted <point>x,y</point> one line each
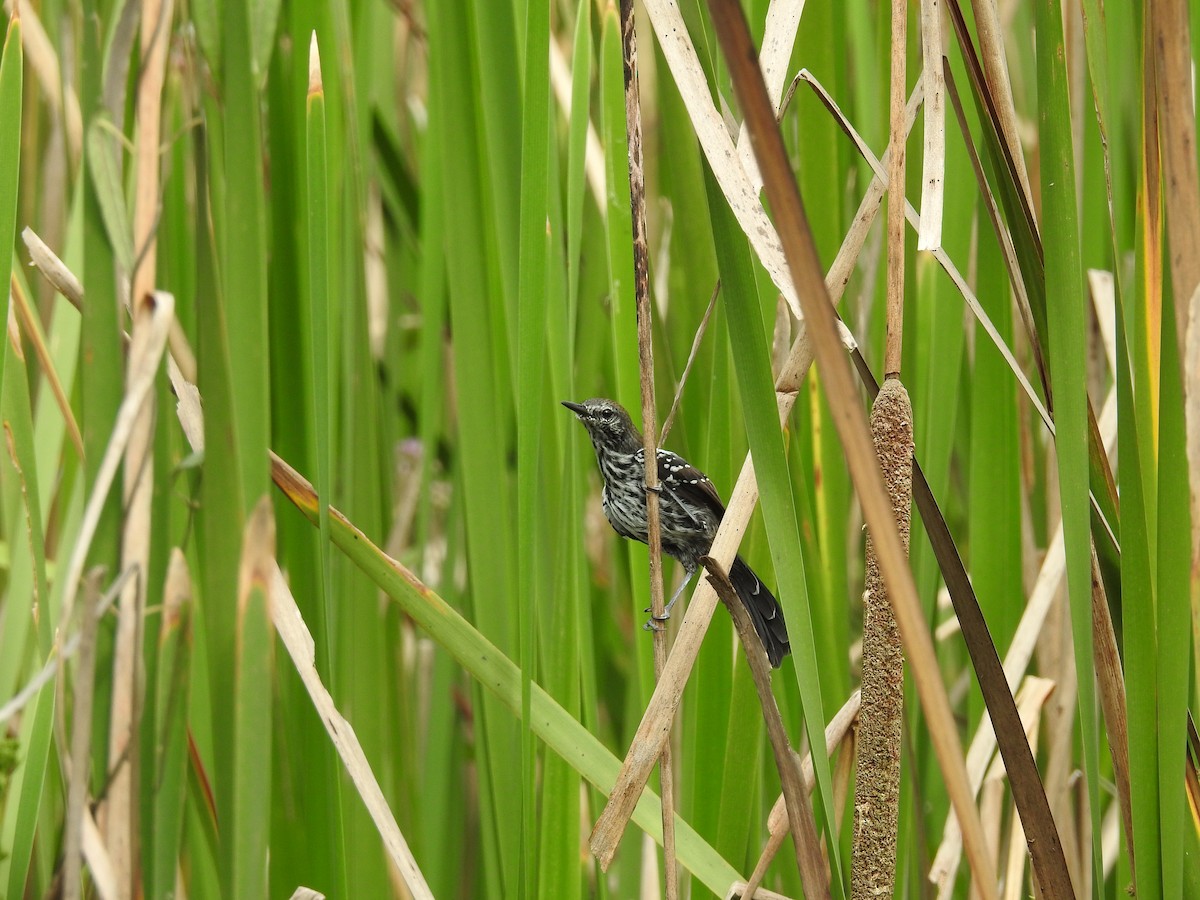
<point>895,218</point>
<point>641,285</point>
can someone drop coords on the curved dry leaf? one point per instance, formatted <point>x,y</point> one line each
<point>721,153</point>
<point>300,647</point>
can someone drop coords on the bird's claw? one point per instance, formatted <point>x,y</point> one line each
<point>656,489</point>
<point>653,623</point>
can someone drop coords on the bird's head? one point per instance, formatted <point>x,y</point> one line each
<point>608,424</point>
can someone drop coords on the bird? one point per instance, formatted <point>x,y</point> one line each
<point>689,511</point>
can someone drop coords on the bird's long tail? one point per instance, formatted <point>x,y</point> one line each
<point>764,610</point>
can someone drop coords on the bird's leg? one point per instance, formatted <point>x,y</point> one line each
<point>652,622</point>
<point>675,596</point>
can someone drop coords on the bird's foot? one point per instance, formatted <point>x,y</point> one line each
<point>654,623</point>
<point>656,489</point>
<point>666,613</point>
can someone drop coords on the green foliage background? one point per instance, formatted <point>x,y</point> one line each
<point>391,279</point>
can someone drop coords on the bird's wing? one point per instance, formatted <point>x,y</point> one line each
<point>688,483</point>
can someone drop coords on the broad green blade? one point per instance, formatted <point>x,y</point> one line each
<point>749,345</point>
<point>531,407</point>
<point>1067,359</point>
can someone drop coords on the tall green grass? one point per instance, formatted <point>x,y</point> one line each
<point>390,277</point>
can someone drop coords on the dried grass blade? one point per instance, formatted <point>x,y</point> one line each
<point>718,148</point>
<point>140,383</point>
<point>298,641</point>
<point>779,38</point>
<point>31,326</point>
<point>933,164</point>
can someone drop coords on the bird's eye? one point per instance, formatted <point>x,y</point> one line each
<point>606,414</point>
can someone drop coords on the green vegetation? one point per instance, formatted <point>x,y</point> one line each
<point>304,581</point>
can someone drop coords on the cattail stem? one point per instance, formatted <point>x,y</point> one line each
<point>895,212</point>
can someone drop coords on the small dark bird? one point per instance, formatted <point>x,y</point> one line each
<point>689,512</point>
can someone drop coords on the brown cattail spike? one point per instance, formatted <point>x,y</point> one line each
<point>877,787</point>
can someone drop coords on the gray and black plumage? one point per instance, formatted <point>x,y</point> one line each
<point>689,507</point>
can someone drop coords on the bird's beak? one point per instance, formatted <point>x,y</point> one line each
<point>578,408</point>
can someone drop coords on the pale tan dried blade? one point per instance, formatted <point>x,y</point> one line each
<point>897,133</point>
<point>991,811</point>
<point>155,38</point>
<point>779,39</point>
<point>128,672</point>
<point>188,407</point>
<point>298,641</point>
<point>719,150</point>
<point>96,856</point>
<point>32,328</point>
<point>933,166</point>
<point>1110,838</point>
<point>144,368</point>
<point>53,269</point>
